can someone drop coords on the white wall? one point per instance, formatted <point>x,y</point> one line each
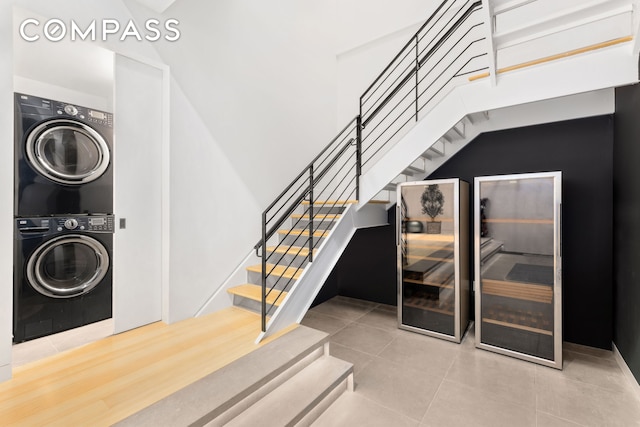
<point>6,189</point>
<point>261,75</point>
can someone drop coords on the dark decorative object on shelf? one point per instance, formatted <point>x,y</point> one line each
<point>414,227</point>
<point>484,230</point>
<point>432,201</point>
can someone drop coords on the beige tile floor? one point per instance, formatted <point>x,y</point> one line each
<point>408,379</point>
<point>30,351</point>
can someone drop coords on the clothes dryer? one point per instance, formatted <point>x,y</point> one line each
<point>63,162</point>
<point>63,273</point>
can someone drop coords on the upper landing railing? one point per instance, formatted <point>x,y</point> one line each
<point>448,47</point>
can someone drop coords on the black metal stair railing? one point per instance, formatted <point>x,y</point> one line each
<point>447,47</point>
<point>329,179</point>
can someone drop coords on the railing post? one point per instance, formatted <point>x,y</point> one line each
<point>417,77</point>
<point>358,152</point>
<point>264,272</point>
<point>311,213</point>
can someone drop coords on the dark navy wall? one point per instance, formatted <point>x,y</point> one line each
<point>626,240</point>
<point>583,151</point>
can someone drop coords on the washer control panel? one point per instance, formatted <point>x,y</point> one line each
<point>51,225</point>
<point>36,105</point>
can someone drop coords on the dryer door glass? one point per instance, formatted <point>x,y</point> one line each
<point>67,266</point>
<point>67,152</point>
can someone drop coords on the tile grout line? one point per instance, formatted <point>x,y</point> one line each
<point>442,381</point>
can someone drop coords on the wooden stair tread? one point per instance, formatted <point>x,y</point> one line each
<point>278,270</point>
<point>316,216</point>
<point>525,291</point>
<point>254,292</point>
<point>290,250</point>
<point>303,232</point>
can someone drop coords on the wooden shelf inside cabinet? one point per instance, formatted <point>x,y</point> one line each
<point>524,291</point>
<point>431,304</point>
<point>445,284</point>
<point>517,221</point>
<point>527,321</point>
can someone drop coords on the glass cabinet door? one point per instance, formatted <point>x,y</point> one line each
<point>433,279</point>
<point>518,265</point>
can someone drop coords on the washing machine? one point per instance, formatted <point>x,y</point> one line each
<point>63,161</point>
<point>62,273</point>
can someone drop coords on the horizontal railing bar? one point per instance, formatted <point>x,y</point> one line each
<point>407,45</point>
<point>409,51</point>
<point>437,38</point>
<point>381,121</point>
<point>421,62</point>
<point>312,162</point>
<point>449,80</point>
<point>410,66</point>
<point>294,192</point>
<point>412,60</point>
<point>409,106</point>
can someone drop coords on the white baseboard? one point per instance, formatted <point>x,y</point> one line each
<point>5,373</point>
<point>627,372</point>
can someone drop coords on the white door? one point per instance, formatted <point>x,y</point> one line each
<point>137,253</point>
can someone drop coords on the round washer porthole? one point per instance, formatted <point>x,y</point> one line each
<point>67,266</point>
<point>67,151</point>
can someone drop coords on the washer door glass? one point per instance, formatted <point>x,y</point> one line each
<point>67,151</point>
<point>67,266</point>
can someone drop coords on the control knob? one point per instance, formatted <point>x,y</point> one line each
<point>71,224</point>
<point>70,110</point>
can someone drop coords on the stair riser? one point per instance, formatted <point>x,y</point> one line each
<point>300,240</point>
<point>288,259</point>
<point>318,224</point>
<point>247,303</point>
<point>259,393</point>
<point>273,282</point>
<point>295,401</point>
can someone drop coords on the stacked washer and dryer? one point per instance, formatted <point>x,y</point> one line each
<point>64,220</point>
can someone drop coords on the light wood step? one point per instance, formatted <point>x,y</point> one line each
<point>290,250</point>
<point>278,270</point>
<point>298,232</point>
<point>254,292</point>
<point>316,217</point>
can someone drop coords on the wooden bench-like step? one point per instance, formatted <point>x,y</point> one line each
<point>317,217</point>
<point>290,250</point>
<point>298,232</point>
<point>278,270</point>
<point>254,292</point>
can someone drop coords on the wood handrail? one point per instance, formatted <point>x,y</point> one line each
<point>554,57</point>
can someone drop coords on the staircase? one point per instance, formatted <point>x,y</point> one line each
<point>473,67</point>
<point>287,258</point>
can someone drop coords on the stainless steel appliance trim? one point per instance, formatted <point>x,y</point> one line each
<point>33,149</point>
<point>40,284</point>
